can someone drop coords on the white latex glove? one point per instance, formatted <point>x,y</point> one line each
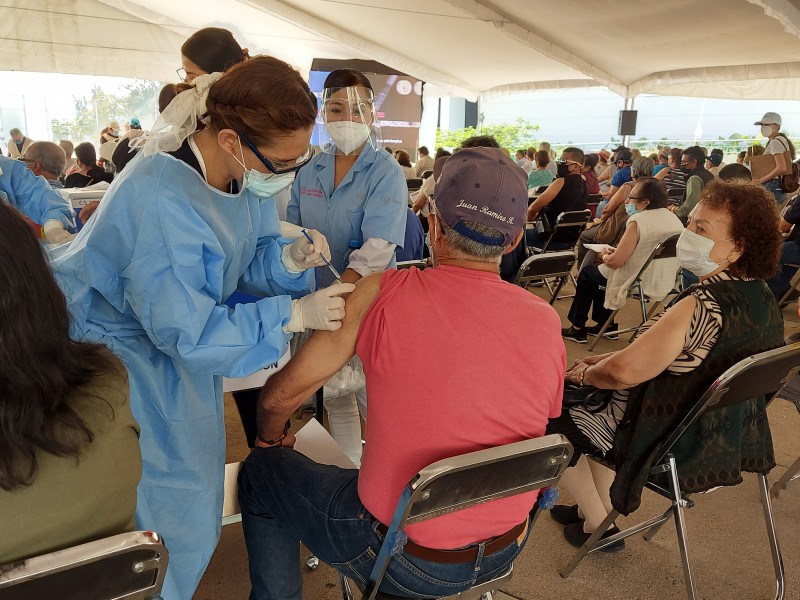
<point>302,254</point>
<point>55,233</point>
<point>323,309</point>
<point>290,230</point>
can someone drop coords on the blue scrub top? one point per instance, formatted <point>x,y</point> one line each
<point>370,202</point>
<point>148,277</point>
<point>32,195</point>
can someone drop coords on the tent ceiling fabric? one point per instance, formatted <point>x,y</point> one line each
<point>718,48</point>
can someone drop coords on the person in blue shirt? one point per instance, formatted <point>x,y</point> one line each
<point>355,192</point>
<point>186,224</point>
<point>414,239</point>
<point>34,198</point>
<point>623,160</point>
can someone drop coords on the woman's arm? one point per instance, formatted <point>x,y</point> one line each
<point>545,198</point>
<point>618,198</point>
<point>618,256</point>
<point>662,174</point>
<point>649,355</point>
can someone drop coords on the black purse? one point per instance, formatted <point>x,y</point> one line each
<point>590,398</point>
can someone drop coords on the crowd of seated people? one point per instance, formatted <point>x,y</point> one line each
<point>72,422</point>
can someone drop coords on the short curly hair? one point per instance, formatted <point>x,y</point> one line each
<point>754,225</point>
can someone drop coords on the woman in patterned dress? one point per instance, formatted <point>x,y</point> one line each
<point>732,244</point>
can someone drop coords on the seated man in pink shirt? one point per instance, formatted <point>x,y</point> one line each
<point>450,369</point>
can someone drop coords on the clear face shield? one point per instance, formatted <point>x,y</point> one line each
<point>349,120</point>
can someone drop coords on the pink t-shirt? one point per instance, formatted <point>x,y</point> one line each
<point>456,360</point>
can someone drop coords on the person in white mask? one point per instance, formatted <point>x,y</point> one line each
<point>356,195</point>
<point>190,221</point>
<point>732,244</point>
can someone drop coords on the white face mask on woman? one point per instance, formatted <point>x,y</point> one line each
<point>693,253</point>
<point>766,130</point>
<point>347,135</point>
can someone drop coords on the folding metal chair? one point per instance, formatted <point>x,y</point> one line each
<point>761,374</point>
<point>426,174</point>
<point>457,483</point>
<point>413,184</point>
<point>795,282</point>
<point>664,249</point>
<point>541,266</point>
<point>129,565</point>
<point>573,221</point>
<point>790,393</point>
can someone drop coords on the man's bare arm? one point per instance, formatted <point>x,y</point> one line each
<point>320,357</point>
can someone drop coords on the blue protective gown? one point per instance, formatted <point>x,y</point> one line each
<point>148,277</point>
<point>370,202</point>
<point>32,195</point>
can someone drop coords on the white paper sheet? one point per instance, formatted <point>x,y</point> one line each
<point>599,248</point>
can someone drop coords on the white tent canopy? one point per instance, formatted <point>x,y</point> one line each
<point>716,48</point>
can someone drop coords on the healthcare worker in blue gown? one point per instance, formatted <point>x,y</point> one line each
<point>353,191</point>
<point>189,221</point>
<point>34,198</point>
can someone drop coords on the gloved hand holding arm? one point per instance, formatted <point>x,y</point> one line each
<point>302,254</point>
<point>55,233</point>
<point>321,310</point>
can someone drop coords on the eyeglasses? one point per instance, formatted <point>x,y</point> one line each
<point>186,76</point>
<point>636,198</point>
<point>278,167</point>
<point>181,73</point>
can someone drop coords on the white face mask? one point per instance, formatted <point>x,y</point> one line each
<point>693,253</point>
<point>766,130</point>
<point>263,184</point>
<point>347,135</point>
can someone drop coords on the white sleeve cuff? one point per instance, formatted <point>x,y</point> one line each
<point>373,256</point>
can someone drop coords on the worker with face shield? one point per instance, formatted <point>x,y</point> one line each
<point>355,194</point>
<point>186,224</point>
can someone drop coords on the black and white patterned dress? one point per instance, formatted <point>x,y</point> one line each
<point>704,330</point>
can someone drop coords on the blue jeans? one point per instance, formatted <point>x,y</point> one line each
<point>779,283</point>
<point>287,498</point>
<point>774,186</point>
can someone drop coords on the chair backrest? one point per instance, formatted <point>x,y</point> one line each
<point>414,183</point>
<point>128,565</point>
<point>457,483</point>
<point>541,189</point>
<point>666,248</point>
<point>574,222</point>
<point>551,264</point>
<point>762,374</point>
<point>407,264</point>
<point>426,174</point>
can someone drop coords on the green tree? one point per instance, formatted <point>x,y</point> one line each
<point>520,134</point>
<point>94,112</point>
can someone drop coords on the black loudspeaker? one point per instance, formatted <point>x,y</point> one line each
<point>627,122</point>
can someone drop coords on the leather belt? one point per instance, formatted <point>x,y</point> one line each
<point>462,555</point>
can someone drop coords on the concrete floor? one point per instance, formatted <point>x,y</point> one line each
<point>727,538</point>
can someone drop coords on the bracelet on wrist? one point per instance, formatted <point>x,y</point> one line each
<point>277,440</point>
<point>582,376</point>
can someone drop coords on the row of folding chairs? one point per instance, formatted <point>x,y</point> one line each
<point>133,565</point>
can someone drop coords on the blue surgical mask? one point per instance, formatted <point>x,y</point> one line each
<point>631,209</point>
<point>263,184</point>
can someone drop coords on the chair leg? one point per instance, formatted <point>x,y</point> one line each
<point>680,526</point>
<point>777,559</point>
<point>587,547</point>
<point>653,309</point>
<point>605,326</point>
<point>347,593</point>
<point>792,473</point>
<point>559,285</point>
<point>651,533</point>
